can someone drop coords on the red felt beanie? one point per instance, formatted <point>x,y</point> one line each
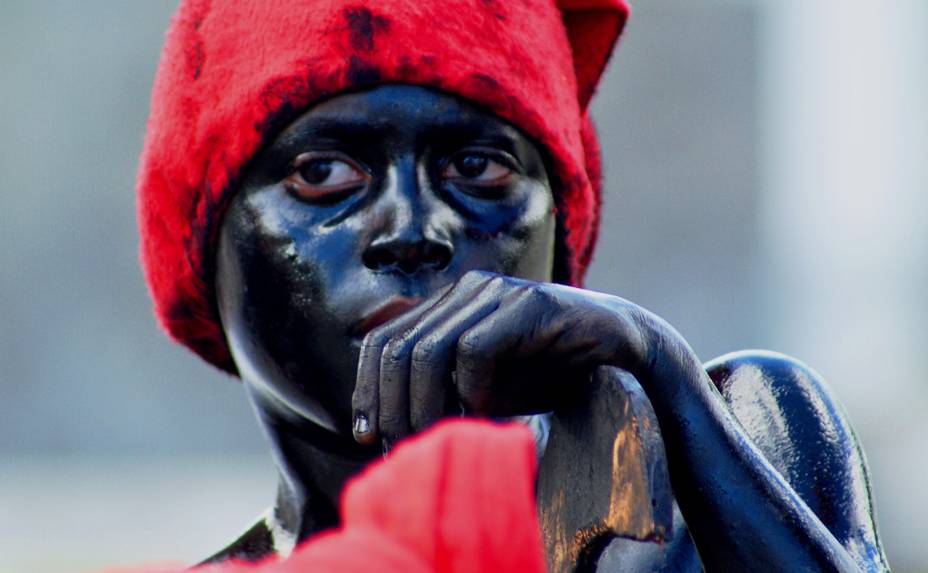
<point>233,73</point>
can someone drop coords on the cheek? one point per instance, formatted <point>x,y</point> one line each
<point>287,318</point>
<point>317,277</point>
<point>272,277</point>
<point>277,293</point>
<point>302,261</point>
<point>523,245</point>
<point>533,244</point>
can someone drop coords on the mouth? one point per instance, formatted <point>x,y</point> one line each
<point>384,313</point>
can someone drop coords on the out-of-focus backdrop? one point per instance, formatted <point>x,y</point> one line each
<point>767,176</point>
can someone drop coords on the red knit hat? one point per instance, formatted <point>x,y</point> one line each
<point>233,73</point>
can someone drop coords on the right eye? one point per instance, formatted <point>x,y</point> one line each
<point>324,176</point>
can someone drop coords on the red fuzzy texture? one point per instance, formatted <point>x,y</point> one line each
<point>233,73</point>
<point>461,498</point>
<point>456,499</point>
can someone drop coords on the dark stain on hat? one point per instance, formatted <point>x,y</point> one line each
<point>196,57</point>
<point>363,26</point>
<point>195,53</point>
<point>494,7</point>
<point>487,82</point>
<point>361,73</point>
<point>405,68</point>
<point>282,97</point>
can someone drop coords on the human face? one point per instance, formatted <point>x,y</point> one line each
<point>366,204</point>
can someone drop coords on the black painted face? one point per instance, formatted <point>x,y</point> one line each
<point>365,204</point>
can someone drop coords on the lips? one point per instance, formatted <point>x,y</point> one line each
<point>386,312</point>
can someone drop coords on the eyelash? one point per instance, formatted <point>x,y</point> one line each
<point>492,190</point>
<point>491,155</point>
<point>302,188</point>
<point>297,184</point>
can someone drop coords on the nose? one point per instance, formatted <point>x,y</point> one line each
<point>407,254</point>
<point>411,236</point>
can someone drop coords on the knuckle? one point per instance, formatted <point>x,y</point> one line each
<point>498,283</point>
<point>469,345</point>
<point>638,321</point>
<point>374,340</point>
<point>521,294</point>
<point>394,352</point>
<point>476,277</point>
<point>540,294</point>
<point>637,327</point>
<point>424,351</point>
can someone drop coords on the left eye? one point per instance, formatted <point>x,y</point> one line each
<point>323,177</point>
<point>477,169</point>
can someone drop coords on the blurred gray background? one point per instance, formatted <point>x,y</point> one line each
<point>767,176</point>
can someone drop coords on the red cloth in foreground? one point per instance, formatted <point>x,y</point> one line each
<point>457,499</point>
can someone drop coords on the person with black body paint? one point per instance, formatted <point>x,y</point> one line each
<point>378,215</point>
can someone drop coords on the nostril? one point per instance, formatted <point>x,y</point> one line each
<point>378,258</point>
<point>408,258</point>
<point>436,256</point>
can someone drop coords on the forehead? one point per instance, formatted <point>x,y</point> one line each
<point>392,110</point>
<point>398,98</point>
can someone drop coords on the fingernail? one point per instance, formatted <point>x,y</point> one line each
<point>361,424</point>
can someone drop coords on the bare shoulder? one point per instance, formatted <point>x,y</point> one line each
<point>790,413</point>
<point>797,423</point>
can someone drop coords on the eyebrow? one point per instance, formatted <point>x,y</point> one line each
<point>330,128</point>
<point>352,128</point>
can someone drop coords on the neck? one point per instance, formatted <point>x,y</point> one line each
<point>314,465</point>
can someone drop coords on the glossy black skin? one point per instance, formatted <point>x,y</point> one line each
<point>299,268</point>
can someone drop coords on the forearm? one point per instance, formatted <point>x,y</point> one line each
<point>741,512</point>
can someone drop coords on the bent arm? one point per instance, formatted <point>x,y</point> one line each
<point>467,342</point>
<point>741,511</point>
<point>793,418</point>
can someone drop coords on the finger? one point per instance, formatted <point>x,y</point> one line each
<point>433,354</point>
<point>396,400</point>
<point>393,415</point>
<point>366,397</point>
<point>365,400</point>
<point>535,331</point>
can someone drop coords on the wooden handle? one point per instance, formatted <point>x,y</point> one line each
<point>603,474</point>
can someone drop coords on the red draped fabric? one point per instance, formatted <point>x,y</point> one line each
<point>456,499</point>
